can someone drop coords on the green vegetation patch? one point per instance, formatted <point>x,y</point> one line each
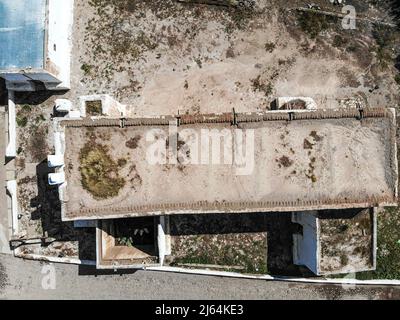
<point>94,108</point>
<point>259,85</point>
<point>241,252</point>
<point>388,253</point>
<point>385,38</point>
<point>270,47</point>
<point>86,68</point>
<point>37,143</point>
<point>21,121</point>
<point>99,172</point>
<point>313,23</point>
<point>22,115</point>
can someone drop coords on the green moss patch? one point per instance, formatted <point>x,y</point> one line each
<point>313,23</point>
<point>388,254</point>
<point>244,252</point>
<point>99,172</point>
<point>94,108</point>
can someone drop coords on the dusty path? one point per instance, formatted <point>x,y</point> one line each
<point>22,280</point>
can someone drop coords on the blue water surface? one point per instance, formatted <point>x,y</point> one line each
<point>22,34</point>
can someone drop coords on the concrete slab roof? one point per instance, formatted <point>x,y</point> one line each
<point>296,161</point>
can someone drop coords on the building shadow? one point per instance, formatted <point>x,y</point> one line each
<point>47,204</point>
<point>86,270</point>
<point>397,63</point>
<point>277,225</point>
<point>3,92</point>
<point>48,209</point>
<point>346,214</point>
<point>395,11</point>
<point>37,97</point>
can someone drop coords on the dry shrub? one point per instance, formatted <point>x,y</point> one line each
<point>99,172</point>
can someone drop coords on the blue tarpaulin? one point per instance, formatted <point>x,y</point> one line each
<point>22,34</point>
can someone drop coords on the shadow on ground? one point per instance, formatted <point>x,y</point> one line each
<point>48,209</point>
<point>37,97</point>
<point>85,270</point>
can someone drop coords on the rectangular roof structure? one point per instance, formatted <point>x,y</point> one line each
<point>22,34</point>
<point>309,160</point>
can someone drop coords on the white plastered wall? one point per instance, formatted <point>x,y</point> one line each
<point>305,246</point>
<point>59,40</point>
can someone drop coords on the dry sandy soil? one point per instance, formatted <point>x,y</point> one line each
<point>161,57</point>
<point>347,240</point>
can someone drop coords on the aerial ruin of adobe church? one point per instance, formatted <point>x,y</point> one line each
<point>317,160</point>
<point>322,165</point>
<point>303,161</point>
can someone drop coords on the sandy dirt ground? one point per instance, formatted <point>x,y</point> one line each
<point>346,242</point>
<point>170,57</point>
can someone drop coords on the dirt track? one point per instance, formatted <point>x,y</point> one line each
<point>22,280</point>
